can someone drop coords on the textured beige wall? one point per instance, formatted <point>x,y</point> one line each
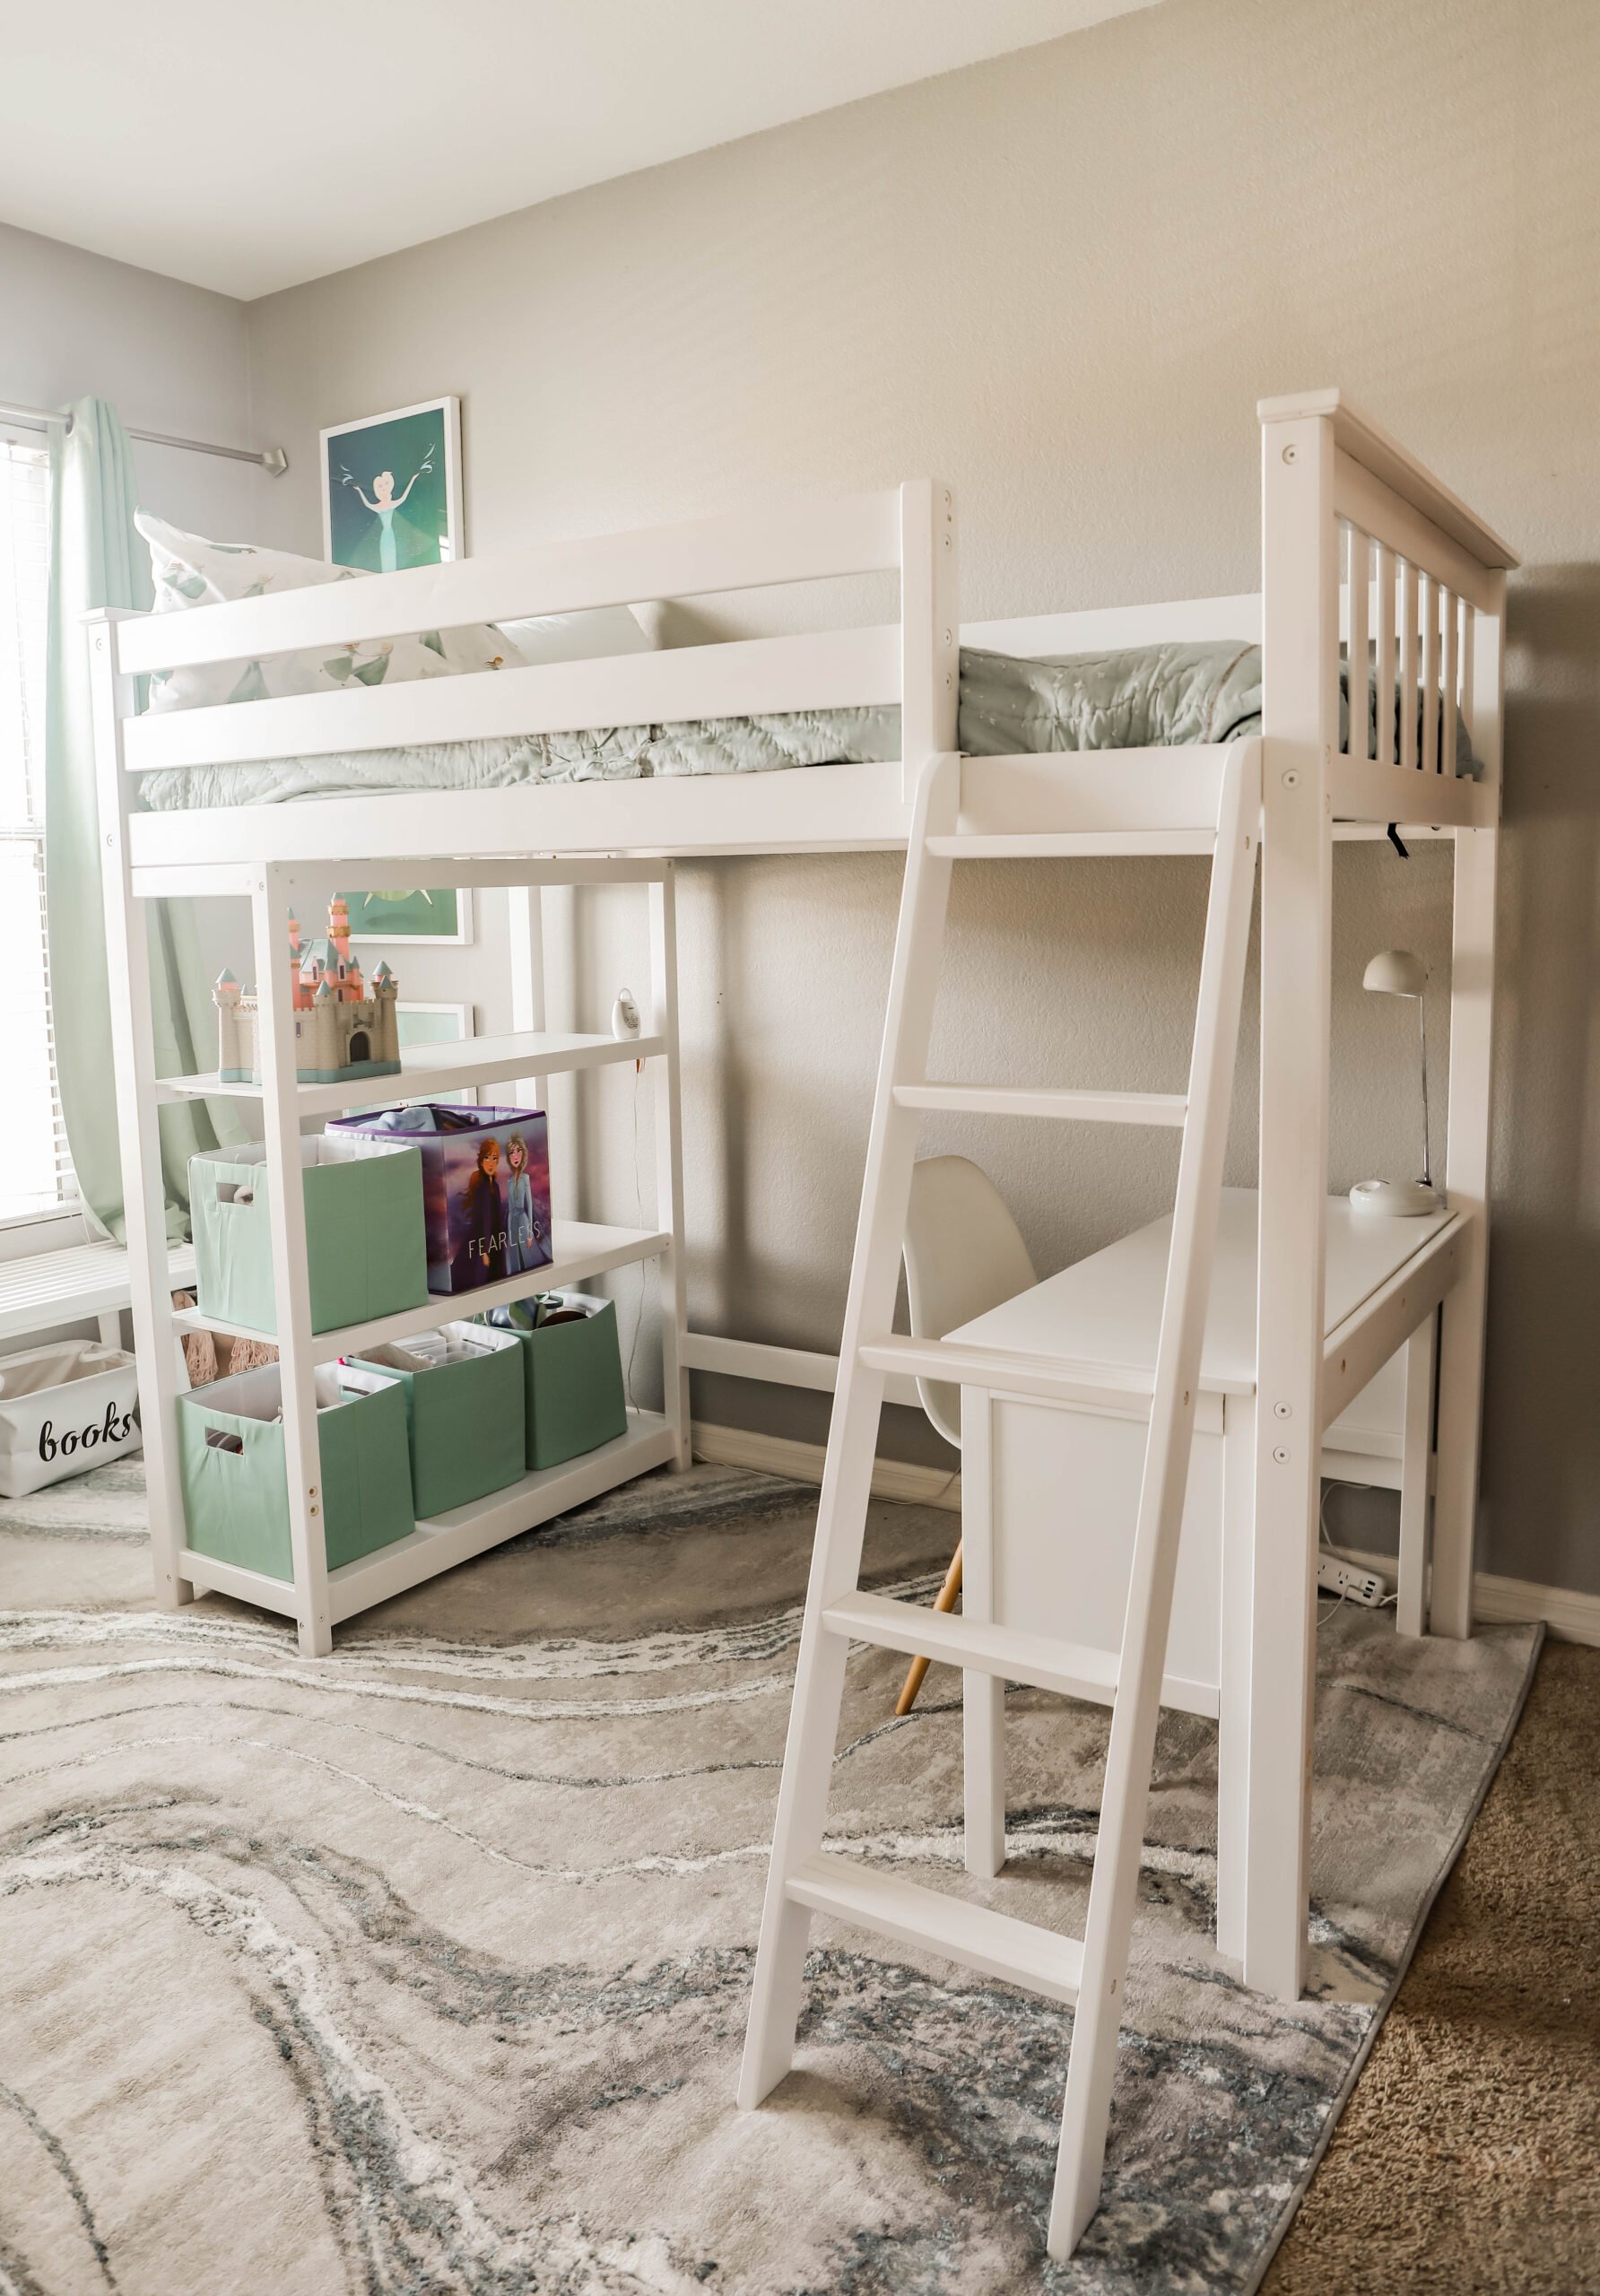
<point>1061,280</point>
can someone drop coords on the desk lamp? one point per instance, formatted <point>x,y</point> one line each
<point>1397,973</point>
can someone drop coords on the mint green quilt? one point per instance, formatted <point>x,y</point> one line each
<point>1142,697</point>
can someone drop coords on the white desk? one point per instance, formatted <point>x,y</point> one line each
<point>1050,1490</point>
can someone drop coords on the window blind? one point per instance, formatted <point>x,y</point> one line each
<point>36,1174</point>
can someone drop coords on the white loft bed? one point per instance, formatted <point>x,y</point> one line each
<point>1424,598</point>
<point>1428,599</point>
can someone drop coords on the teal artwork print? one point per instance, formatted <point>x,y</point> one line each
<point>441,915</point>
<point>389,491</point>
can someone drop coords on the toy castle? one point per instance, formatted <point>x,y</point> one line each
<point>341,1031</point>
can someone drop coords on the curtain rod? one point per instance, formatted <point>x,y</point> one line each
<point>40,418</point>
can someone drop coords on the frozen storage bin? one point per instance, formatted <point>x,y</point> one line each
<point>463,1412</point>
<point>236,1484</point>
<point>365,1253</point>
<point>572,1369</point>
<point>485,1186</point>
<point>65,1407</point>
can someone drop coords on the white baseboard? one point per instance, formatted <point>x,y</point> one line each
<point>1570,1616</point>
<point>737,1447</point>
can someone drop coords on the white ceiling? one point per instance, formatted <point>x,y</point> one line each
<point>247,147</point>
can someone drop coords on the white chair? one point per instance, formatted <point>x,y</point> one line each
<point>964,1255</point>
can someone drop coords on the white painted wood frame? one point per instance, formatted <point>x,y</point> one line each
<point>1324,469</point>
<point>150,1268</point>
<point>1346,488</point>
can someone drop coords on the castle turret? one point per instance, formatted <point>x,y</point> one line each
<point>338,926</point>
<point>386,1031</point>
<point>230,1063</point>
<point>326,1034</point>
<point>299,999</point>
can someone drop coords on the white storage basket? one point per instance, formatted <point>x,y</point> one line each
<point>66,1407</point>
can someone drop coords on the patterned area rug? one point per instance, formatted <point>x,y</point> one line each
<point>425,1968</point>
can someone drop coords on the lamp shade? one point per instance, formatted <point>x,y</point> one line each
<point>1396,973</point>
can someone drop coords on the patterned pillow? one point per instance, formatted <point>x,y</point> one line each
<point>190,571</point>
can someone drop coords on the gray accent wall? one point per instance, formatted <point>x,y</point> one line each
<point>1061,280</point>
<point>169,356</point>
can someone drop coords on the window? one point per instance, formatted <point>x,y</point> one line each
<point>36,1176</point>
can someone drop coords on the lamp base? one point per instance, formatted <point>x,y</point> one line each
<point>1397,1199</point>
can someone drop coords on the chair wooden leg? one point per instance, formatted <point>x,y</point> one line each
<point>944,1600</point>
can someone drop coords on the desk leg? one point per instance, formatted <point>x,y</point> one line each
<point>983,1696</point>
<point>1233,1672</point>
<point>1411,1612</point>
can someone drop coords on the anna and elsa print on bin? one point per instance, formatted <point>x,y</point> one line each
<point>497,1217</point>
<point>485,1186</point>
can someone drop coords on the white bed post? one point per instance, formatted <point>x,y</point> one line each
<point>271,900</point>
<point>669,1170</point>
<point>1234,1651</point>
<point>930,629</point>
<point>525,923</point>
<point>133,1054</point>
<point>1299,729</point>
<point>1466,1153</point>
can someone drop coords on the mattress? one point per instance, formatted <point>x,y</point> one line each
<point>1136,698</point>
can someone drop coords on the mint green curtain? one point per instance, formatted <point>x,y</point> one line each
<point>97,558</point>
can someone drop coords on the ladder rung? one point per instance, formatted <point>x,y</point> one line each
<point>1073,1669</point>
<point>997,1943</point>
<point>1084,1107</point>
<point>1002,1371</point>
<point>1065,845</point>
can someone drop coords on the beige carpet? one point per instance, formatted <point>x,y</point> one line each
<point>424,1968</point>
<point>1469,2158</point>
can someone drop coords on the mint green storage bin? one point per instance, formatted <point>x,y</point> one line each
<point>366,1248</point>
<point>235,1479</point>
<point>574,1391</point>
<point>463,1388</point>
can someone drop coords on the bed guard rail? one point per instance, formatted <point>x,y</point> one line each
<point>908,530</point>
<point>1367,550</point>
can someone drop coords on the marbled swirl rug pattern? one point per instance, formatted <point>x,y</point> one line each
<point>424,1969</point>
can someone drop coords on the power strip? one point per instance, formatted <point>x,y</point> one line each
<point>1355,1586</point>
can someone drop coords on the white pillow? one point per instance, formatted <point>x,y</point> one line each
<point>584,636</point>
<point>190,571</point>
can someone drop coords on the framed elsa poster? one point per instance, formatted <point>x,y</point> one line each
<point>445,913</point>
<point>391,489</point>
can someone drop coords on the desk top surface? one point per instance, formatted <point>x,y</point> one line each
<point>1106,1310</point>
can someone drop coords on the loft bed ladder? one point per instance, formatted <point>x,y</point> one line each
<point>804,1879</point>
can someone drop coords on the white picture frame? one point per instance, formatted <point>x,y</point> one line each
<point>443,1024</point>
<point>399,932</point>
<point>350,455</point>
